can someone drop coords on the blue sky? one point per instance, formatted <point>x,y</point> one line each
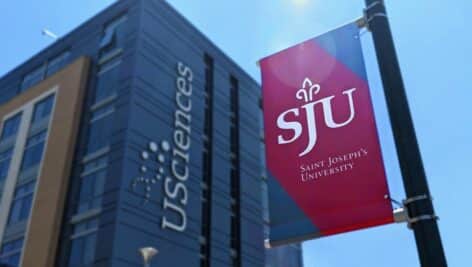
<point>433,42</point>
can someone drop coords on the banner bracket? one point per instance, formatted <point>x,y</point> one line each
<point>369,17</point>
<point>425,217</point>
<point>400,215</point>
<point>419,218</point>
<point>410,200</point>
<point>361,22</point>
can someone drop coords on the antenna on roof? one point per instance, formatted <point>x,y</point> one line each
<point>50,34</point>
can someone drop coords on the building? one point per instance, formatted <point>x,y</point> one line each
<point>286,256</point>
<point>133,130</point>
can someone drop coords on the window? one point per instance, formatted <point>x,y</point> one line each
<point>108,79</point>
<point>263,161</point>
<point>205,249</point>
<point>11,252</point>
<point>10,127</point>
<point>43,109</point>
<point>33,150</point>
<point>102,112</point>
<point>57,62</point>
<point>235,177</point>
<point>33,77</point>
<point>99,131</point>
<point>113,36</point>
<point>265,201</point>
<point>84,238</point>
<point>95,165</point>
<point>91,191</point>
<point>5,158</point>
<point>21,205</point>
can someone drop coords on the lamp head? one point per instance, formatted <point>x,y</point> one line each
<point>147,253</point>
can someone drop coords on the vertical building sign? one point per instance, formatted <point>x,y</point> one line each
<point>326,174</point>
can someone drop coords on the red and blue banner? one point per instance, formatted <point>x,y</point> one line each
<point>326,173</point>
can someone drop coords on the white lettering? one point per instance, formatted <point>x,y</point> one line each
<point>167,224</point>
<point>296,127</point>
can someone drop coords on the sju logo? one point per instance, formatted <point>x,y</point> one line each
<point>307,94</point>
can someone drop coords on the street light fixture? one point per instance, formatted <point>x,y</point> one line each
<point>148,253</point>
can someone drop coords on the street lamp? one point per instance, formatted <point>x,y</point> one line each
<point>147,253</point>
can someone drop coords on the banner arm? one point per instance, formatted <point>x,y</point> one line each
<point>361,22</point>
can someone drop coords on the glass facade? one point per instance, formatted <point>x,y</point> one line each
<point>44,70</point>
<point>235,178</point>
<point>99,132</point>
<point>33,150</point>
<point>22,200</point>
<point>83,242</point>
<point>33,135</point>
<point>81,245</point>
<point>33,77</point>
<point>205,249</point>
<point>108,79</point>
<point>153,79</point>
<point>57,62</point>
<point>10,127</point>
<point>11,252</point>
<point>5,158</point>
<point>92,185</point>
<point>7,144</point>
<point>43,109</point>
<point>113,36</point>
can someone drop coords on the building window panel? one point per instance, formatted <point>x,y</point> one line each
<point>94,165</point>
<point>107,39</point>
<point>57,63</point>
<point>206,209</point>
<point>108,80</point>
<point>265,201</point>
<point>99,133</point>
<point>89,248</point>
<point>235,177</point>
<point>43,109</point>
<point>102,112</point>
<point>83,245</point>
<point>113,36</point>
<point>33,77</point>
<point>91,191</point>
<point>33,150</point>
<point>5,158</point>
<point>22,201</point>
<point>10,127</point>
<point>75,258</point>
<point>10,253</point>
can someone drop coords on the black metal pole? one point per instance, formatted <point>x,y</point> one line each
<point>419,202</point>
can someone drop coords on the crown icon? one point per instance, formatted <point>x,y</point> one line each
<point>308,90</point>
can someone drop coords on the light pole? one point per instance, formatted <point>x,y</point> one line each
<point>419,205</point>
<point>147,253</point>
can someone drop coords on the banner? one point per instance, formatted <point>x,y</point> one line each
<point>326,173</point>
